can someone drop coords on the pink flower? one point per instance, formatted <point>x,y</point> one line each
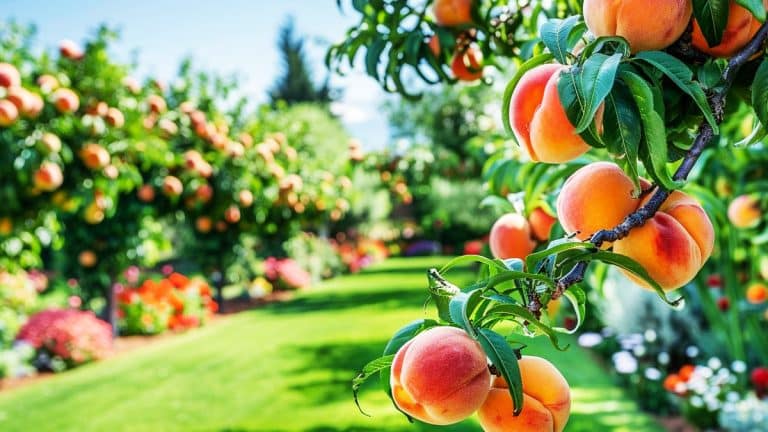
<point>132,274</point>
<point>167,269</point>
<point>75,302</point>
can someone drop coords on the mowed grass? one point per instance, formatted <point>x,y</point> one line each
<point>285,367</point>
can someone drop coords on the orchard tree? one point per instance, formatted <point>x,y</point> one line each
<point>619,100</point>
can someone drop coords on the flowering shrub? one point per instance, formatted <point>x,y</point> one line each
<point>15,362</point>
<point>175,302</point>
<point>286,273</point>
<point>66,338</point>
<point>359,254</point>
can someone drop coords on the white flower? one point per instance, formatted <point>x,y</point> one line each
<point>624,362</point>
<point>739,366</point>
<point>589,340</point>
<point>714,363</point>
<point>653,374</point>
<point>692,351</point>
<point>704,372</point>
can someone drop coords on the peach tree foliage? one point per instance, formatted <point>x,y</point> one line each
<point>112,206</point>
<point>661,111</point>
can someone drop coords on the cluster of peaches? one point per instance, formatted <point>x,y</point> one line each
<point>467,62</point>
<point>442,377</point>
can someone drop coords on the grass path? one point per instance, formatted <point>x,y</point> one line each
<point>286,367</point>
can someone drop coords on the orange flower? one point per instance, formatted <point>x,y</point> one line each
<point>686,372</point>
<point>178,280</point>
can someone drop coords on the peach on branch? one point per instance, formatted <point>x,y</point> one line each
<point>440,377</point>
<point>51,143</point>
<point>47,83</point>
<point>203,224</point>
<point>757,293</point>
<point>541,223</point>
<point>739,30</point>
<point>467,65</point>
<point>451,13</point>
<point>156,104</point>
<point>8,113</point>
<point>94,156</point>
<point>245,197</point>
<point>70,50</point>
<point>115,118</point>
<point>172,186</point>
<point>48,177</point>
<point>87,258</point>
<point>204,193</point>
<point>146,193</point>
<point>65,100</point>
<point>6,226</point>
<point>539,121</point>
<point>510,237</point>
<point>744,212</point>
<point>546,400</point>
<point>645,24</point>
<point>9,76</point>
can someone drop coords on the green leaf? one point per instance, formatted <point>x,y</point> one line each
<point>620,131</point>
<point>680,74</point>
<point>525,67</point>
<point>369,370</point>
<point>555,248</point>
<point>755,7</point>
<point>471,259</point>
<point>627,263</point>
<point>571,93</point>
<point>503,358</point>
<point>372,57</point>
<point>654,131</point>
<point>712,17</point>
<point>522,312</point>
<point>555,34</point>
<point>578,299</point>
<point>760,93</point>
<point>461,307</point>
<point>597,75</point>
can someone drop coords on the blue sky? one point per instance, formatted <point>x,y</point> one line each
<point>225,36</point>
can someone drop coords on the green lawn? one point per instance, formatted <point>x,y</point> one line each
<point>286,367</point>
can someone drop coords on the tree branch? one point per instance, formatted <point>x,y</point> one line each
<point>703,137</point>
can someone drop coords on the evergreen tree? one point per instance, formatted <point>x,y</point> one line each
<point>295,85</point>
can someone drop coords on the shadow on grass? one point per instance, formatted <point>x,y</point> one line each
<point>391,299</point>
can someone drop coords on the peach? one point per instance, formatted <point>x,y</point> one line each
<point>50,142</point>
<point>168,127</point>
<point>204,193</point>
<point>146,193</point>
<point>597,196</point>
<point>468,65</point>
<point>440,377</point>
<point>434,45</point>
<point>450,13</point>
<point>673,245</point>
<point>115,118</point>
<point>6,226</point>
<point>111,172</point>
<point>741,27</point>
<point>48,177</point>
<point>94,156</point>
<point>94,213</point>
<point>156,104</point>
<point>35,105</point>
<point>541,223</point>
<point>203,224</point>
<point>9,76</point>
<point>8,113</point>
<point>744,212</point>
<point>511,237</point>
<point>172,186</point>
<point>87,258</point>
<point>70,50</point>
<point>645,24</point>
<point>232,214</point>
<point>22,98</point>
<point>546,400</point>
<point>47,83</point>
<point>757,293</point>
<point>538,118</point>
<point>65,100</point>
<point>245,197</point>
<point>132,84</point>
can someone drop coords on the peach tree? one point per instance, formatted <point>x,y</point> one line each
<point>612,104</point>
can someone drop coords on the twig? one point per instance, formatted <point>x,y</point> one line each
<point>703,138</point>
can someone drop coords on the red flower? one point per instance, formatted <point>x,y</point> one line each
<point>75,336</point>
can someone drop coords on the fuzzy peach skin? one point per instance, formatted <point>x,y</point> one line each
<point>538,118</point>
<point>645,24</point>
<point>449,13</point>
<point>440,377</point>
<point>546,401</point>
<point>541,223</point>
<point>673,245</point>
<point>597,196</point>
<point>510,237</point>
<point>741,27</point>
<point>744,212</point>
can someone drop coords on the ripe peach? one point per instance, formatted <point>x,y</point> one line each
<point>94,213</point>
<point>20,97</point>
<point>132,84</point>
<point>204,193</point>
<point>232,214</point>
<point>467,65</point>
<point>70,50</point>
<point>450,13</point>
<point>87,258</point>
<point>203,224</point>
<point>35,105</point>
<point>168,127</point>
<point>156,104</point>
<point>97,108</point>
<point>541,223</point>
<point>744,212</point>
<point>172,186</point>
<point>65,100</point>
<point>738,31</point>
<point>440,377</point>
<point>111,172</point>
<point>51,143</point>
<point>245,197</point>
<point>47,83</point>
<point>9,76</point>
<point>673,245</point>
<point>546,403</point>
<point>94,156</point>
<point>631,20</point>
<point>539,121</point>
<point>6,226</point>
<point>48,177</point>
<point>8,113</point>
<point>511,237</point>
<point>597,196</point>
<point>146,193</point>
<point>434,45</point>
<point>757,293</point>
<point>115,118</point>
